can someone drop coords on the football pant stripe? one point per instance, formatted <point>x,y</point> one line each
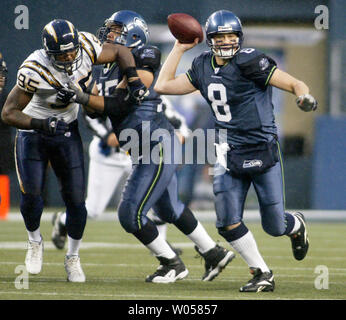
<point>16,164</point>
<point>151,187</point>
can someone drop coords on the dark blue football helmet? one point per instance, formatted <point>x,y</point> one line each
<point>58,37</point>
<point>134,29</point>
<point>223,21</point>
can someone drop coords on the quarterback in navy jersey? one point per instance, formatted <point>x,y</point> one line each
<point>237,84</point>
<point>153,184</point>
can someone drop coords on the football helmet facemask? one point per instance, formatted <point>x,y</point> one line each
<point>221,22</point>
<point>134,30</point>
<point>58,38</point>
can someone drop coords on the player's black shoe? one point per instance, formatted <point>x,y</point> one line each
<point>300,240</point>
<point>169,270</point>
<point>261,281</point>
<point>216,260</point>
<point>59,232</point>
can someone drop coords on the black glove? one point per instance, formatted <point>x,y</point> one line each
<point>71,93</point>
<point>51,125</point>
<point>137,91</point>
<point>306,102</point>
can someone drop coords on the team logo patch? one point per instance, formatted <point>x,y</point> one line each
<point>148,53</point>
<point>264,64</point>
<point>252,163</point>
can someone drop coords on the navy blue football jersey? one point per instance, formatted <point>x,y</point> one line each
<point>238,93</point>
<point>147,58</point>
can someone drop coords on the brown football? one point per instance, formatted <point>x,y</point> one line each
<point>184,27</point>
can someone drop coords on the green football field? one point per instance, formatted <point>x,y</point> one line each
<point>116,265</point>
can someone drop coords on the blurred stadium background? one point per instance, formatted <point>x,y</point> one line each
<point>313,144</point>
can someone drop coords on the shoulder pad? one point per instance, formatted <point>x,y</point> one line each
<point>247,54</point>
<point>91,45</point>
<point>147,57</point>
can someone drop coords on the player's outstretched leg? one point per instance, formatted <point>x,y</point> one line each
<point>34,257</point>
<point>299,239</point>
<point>59,232</point>
<point>169,270</point>
<point>261,281</point>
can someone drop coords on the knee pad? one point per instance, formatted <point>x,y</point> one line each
<point>31,207</point>
<point>76,216</point>
<point>234,234</point>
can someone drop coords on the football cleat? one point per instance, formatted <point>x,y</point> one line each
<point>74,269</point>
<point>216,260</point>
<point>34,257</point>
<point>59,233</point>
<point>169,270</point>
<point>261,281</point>
<point>300,240</point>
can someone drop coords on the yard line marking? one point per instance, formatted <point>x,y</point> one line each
<point>197,266</point>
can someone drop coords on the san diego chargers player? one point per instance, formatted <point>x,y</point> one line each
<point>48,130</point>
<point>152,184</point>
<point>237,83</point>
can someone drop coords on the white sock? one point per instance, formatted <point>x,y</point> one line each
<point>162,228</point>
<point>296,226</point>
<point>160,248</point>
<point>35,235</point>
<point>73,246</point>
<point>202,239</point>
<point>63,218</point>
<point>247,248</point>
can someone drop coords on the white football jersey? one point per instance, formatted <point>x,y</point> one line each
<point>37,75</point>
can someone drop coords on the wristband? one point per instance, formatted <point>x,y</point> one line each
<point>131,72</point>
<point>37,124</point>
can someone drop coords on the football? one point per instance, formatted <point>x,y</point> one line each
<point>184,27</point>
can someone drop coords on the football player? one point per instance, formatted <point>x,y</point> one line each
<point>48,130</point>
<point>152,184</point>
<point>237,83</point>
<point>109,163</point>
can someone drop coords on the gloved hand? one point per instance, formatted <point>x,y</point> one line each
<point>72,93</point>
<point>137,91</point>
<point>51,125</point>
<point>105,149</point>
<point>306,102</point>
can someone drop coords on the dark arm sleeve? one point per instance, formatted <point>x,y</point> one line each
<point>116,106</point>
